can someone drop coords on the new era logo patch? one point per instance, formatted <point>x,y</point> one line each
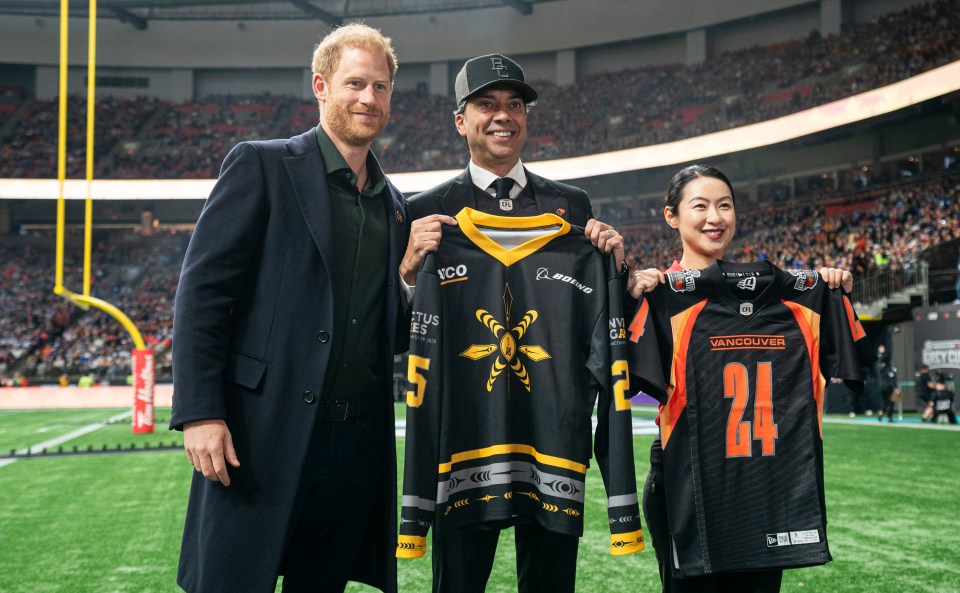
<point>775,540</point>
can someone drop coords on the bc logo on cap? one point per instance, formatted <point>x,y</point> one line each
<point>496,64</point>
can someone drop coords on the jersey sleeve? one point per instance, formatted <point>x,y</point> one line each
<point>421,455</point>
<point>613,442</point>
<point>845,348</point>
<point>648,366</point>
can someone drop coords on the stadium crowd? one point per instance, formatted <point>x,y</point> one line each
<point>868,233</point>
<point>42,337</point>
<point>148,138</point>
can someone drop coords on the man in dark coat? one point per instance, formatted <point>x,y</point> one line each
<point>492,103</point>
<point>288,313</point>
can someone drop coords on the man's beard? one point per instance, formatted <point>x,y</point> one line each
<point>343,125</point>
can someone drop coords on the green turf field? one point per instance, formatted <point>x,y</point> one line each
<point>111,523</point>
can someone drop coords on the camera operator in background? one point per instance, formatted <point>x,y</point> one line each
<point>942,401</point>
<point>889,387</point>
<point>924,382</point>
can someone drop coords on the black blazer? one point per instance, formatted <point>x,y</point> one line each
<point>253,313</point>
<point>566,201</point>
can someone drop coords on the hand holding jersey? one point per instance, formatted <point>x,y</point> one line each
<point>488,396</point>
<point>425,235</point>
<point>699,205</point>
<point>743,422</point>
<point>492,104</point>
<point>642,281</point>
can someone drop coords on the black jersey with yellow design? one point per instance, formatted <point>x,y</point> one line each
<point>517,326</point>
<point>739,354</point>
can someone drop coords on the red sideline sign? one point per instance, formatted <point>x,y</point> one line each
<point>143,383</point>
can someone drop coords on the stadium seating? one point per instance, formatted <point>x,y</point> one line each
<point>42,337</point>
<point>145,138</point>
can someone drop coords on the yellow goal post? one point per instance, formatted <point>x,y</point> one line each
<point>144,374</point>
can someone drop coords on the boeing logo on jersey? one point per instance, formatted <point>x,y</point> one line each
<point>748,284</point>
<point>683,280</point>
<point>806,279</point>
<point>544,274</point>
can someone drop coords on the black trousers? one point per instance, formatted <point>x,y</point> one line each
<point>546,561</point>
<point>339,489</point>
<point>764,581</point>
<point>887,404</point>
<point>655,515</point>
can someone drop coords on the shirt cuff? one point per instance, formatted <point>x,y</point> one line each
<point>407,290</point>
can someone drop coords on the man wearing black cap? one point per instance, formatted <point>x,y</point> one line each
<point>492,104</point>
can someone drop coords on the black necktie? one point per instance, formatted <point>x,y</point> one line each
<point>503,185</point>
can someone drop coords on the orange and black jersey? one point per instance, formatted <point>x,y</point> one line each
<point>739,355</point>
<point>517,330</point>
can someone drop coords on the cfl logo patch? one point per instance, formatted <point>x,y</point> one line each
<point>497,65</point>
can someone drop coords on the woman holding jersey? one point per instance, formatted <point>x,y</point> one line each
<point>700,206</point>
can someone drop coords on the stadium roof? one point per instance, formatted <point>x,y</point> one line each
<point>335,12</point>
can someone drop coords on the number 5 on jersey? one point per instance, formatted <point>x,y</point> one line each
<point>415,364</point>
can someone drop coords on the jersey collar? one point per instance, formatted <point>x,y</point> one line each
<point>471,222</point>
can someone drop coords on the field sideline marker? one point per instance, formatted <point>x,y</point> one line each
<point>69,436</point>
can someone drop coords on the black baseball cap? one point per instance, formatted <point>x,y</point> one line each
<point>481,72</point>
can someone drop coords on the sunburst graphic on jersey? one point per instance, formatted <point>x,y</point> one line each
<point>508,346</point>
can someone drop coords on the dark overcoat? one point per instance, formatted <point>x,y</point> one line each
<point>566,201</point>
<point>252,335</point>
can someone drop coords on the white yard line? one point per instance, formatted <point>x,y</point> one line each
<point>897,424</point>
<point>67,437</point>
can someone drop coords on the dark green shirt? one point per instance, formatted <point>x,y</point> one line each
<point>359,274</point>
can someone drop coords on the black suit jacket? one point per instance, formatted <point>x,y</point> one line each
<point>253,314</point>
<point>566,201</point>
